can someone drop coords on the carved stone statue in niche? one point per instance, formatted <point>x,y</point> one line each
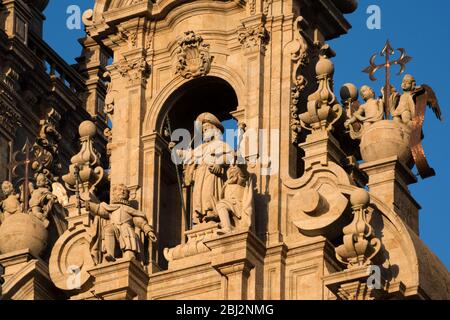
<point>10,204</point>
<point>369,112</point>
<point>235,208</point>
<point>113,230</point>
<point>42,199</point>
<point>205,167</point>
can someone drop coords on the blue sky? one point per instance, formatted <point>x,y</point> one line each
<point>422,29</point>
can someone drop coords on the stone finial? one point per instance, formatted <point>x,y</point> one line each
<point>85,165</point>
<point>323,108</point>
<point>360,244</point>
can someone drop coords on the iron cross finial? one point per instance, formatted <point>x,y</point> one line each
<point>28,151</point>
<point>387,52</point>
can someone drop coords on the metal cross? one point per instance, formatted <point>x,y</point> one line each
<point>30,158</point>
<point>387,52</point>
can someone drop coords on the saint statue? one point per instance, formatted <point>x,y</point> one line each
<point>369,112</point>
<point>113,233</point>
<point>205,167</point>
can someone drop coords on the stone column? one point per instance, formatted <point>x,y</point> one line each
<point>92,65</point>
<point>275,272</point>
<point>388,181</point>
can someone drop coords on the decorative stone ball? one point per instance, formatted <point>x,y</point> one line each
<point>349,91</point>
<point>87,129</point>
<point>22,231</point>
<point>360,197</point>
<point>324,67</point>
<point>346,6</point>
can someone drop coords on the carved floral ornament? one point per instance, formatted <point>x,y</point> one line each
<point>253,37</point>
<point>133,69</point>
<point>193,57</point>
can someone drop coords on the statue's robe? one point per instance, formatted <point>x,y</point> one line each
<point>238,201</point>
<point>207,186</point>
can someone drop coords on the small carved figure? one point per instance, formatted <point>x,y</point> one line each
<point>369,112</point>
<point>42,199</point>
<point>235,209</point>
<point>10,204</point>
<point>113,232</point>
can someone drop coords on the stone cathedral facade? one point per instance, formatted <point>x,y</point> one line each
<point>99,201</point>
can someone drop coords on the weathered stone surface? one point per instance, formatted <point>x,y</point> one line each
<point>315,198</point>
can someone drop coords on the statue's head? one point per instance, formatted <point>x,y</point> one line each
<point>408,83</point>
<point>367,93</point>
<point>211,126</point>
<point>236,175</point>
<point>41,180</point>
<point>120,194</point>
<point>7,188</point>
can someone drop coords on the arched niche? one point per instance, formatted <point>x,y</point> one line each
<point>206,94</point>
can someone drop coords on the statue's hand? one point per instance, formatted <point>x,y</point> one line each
<point>172,145</point>
<point>87,205</point>
<point>152,236</point>
<point>347,124</point>
<point>150,233</point>
<point>215,169</point>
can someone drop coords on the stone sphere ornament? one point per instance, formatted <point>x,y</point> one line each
<point>324,67</point>
<point>22,231</point>
<point>349,92</point>
<point>359,197</point>
<point>87,129</point>
<point>385,139</point>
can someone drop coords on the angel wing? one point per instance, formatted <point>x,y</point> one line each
<point>432,102</point>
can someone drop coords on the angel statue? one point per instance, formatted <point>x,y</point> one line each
<point>369,112</point>
<point>414,99</point>
<point>42,199</point>
<point>113,232</point>
<point>409,111</point>
<point>10,203</point>
<point>235,208</point>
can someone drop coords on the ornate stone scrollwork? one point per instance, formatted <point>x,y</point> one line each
<point>319,209</point>
<point>299,57</point>
<point>193,57</point>
<point>47,145</point>
<point>360,244</point>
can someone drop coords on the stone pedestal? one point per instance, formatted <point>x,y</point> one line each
<point>321,147</point>
<point>238,257</point>
<point>388,181</point>
<point>181,256</point>
<point>26,277</point>
<point>121,280</point>
<point>357,284</point>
